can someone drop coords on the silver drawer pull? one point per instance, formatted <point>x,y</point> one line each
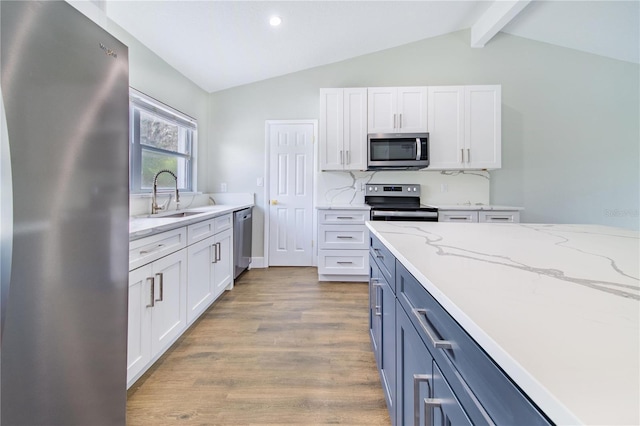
<point>499,218</point>
<point>378,255</point>
<point>156,248</point>
<point>152,287</point>
<point>458,218</point>
<point>344,217</point>
<point>345,237</point>
<point>430,404</point>
<point>437,343</point>
<point>161,279</point>
<point>417,379</point>
<point>344,263</point>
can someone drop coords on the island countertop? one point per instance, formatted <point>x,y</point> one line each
<point>557,307</point>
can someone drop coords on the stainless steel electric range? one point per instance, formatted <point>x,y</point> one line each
<point>398,202</point>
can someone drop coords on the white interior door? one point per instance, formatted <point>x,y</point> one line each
<point>291,194</point>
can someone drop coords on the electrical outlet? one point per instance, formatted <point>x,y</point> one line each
<point>223,187</point>
<point>260,181</point>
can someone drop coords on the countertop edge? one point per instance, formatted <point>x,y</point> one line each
<point>343,207</point>
<point>550,405</point>
<point>174,223</point>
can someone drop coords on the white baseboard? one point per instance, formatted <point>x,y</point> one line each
<point>257,262</point>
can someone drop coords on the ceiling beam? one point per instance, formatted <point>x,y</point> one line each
<point>499,14</point>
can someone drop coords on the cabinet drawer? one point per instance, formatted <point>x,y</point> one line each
<point>222,223</point>
<point>343,237</point>
<point>146,250</point>
<point>480,385</point>
<point>385,260</point>
<point>332,217</point>
<point>499,217</point>
<point>457,216</point>
<point>343,262</point>
<point>200,231</point>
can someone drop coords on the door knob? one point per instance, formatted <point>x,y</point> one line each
<point>274,202</point>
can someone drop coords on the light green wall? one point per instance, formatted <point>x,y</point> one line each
<point>570,133</point>
<point>150,74</point>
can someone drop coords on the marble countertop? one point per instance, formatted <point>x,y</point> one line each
<point>143,226</point>
<point>343,207</point>
<point>557,307</point>
<point>467,207</point>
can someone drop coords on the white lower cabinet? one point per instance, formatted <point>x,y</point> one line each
<point>178,274</point>
<point>343,241</point>
<point>157,310</point>
<point>482,216</point>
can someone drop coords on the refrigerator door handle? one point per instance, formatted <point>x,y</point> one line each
<point>6,215</point>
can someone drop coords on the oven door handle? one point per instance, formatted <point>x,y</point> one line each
<point>418,149</point>
<point>403,214</point>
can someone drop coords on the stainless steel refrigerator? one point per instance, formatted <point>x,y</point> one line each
<point>64,205</point>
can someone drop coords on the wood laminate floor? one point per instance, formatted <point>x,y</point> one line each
<point>280,348</point>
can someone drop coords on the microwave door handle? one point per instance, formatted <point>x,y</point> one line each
<point>418,149</point>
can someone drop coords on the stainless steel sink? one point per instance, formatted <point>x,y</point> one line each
<point>174,215</point>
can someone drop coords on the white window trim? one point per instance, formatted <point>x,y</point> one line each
<point>155,106</point>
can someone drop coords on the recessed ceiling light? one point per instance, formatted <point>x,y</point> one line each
<point>275,21</point>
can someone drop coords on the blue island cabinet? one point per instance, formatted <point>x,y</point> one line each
<point>432,371</point>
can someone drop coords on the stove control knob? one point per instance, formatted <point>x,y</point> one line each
<point>370,188</point>
<point>375,188</point>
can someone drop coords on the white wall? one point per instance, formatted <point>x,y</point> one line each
<point>570,133</point>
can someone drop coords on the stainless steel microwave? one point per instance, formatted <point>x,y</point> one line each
<point>408,151</point>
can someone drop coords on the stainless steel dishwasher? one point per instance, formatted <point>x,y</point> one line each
<point>241,240</point>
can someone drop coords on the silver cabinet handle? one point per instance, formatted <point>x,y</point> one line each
<point>458,218</point>
<point>375,284</point>
<point>430,404</point>
<point>417,379</point>
<point>345,217</point>
<point>344,263</point>
<point>161,279</point>
<point>462,155</point>
<point>400,126</point>
<point>215,253</point>
<point>437,343</point>
<point>468,155</point>
<point>345,237</point>
<point>152,292</point>
<point>348,157</point>
<point>156,248</point>
<point>341,157</point>
<point>378,255</point>
<point>218,252</point>
<point>499,218</point>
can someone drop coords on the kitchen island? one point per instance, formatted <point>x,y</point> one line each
<point>555,307</point>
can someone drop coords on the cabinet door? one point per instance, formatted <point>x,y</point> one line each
<point>444,406</point>
<point>446,127</point>
<point>412,110</point>
<point>483,127</point>
<point>200,264</point>
<point>382,114</point>
<point>375,309</point>
<point>331,129</point>
<point>169,317</point>
<point>414,372</point>
<point>139,322</point>
<point>355,129</point>
<point>223,268</point>
<point>388,345</point>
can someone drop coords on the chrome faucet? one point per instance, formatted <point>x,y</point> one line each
<point>155,208</point>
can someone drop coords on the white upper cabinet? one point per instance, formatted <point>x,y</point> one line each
<point>464,127</point>
<point>446,127</point>
<point>343,129</point>
<point>483,122</point>
<point>397,109</point>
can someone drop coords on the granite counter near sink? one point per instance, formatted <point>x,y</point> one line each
<point>555,306</point>
<point>143,226</point>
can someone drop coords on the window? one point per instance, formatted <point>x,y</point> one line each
<point>161,139</point>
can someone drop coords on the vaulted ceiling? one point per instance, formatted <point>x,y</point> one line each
<point>222,44</point>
